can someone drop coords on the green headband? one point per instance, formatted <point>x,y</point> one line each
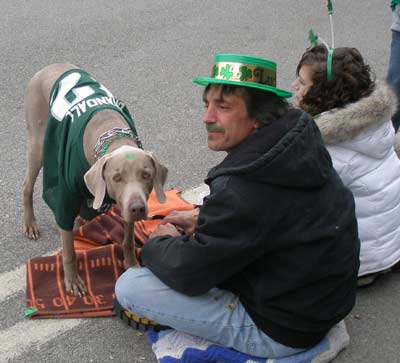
<point>314,41</point>
<point>329,65</point>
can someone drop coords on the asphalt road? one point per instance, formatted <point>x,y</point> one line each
<point>146,52</point>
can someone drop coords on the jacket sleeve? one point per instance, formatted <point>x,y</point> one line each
<point>227,239</point>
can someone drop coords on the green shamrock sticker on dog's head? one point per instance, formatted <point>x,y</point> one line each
<point>130,156</point>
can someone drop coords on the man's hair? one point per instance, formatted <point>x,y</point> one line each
<point>262,106</point>
<point>351,79</point>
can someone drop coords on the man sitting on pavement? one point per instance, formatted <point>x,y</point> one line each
<point>268,264</point>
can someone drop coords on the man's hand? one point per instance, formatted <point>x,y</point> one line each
<point>183,220</point>
<point>165,230</point>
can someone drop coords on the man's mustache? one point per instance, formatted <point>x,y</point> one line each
<point>214,128</point>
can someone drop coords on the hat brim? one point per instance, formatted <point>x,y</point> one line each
<point>205,81</point>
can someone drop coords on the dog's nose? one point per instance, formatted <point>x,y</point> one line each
<point>138,211</point>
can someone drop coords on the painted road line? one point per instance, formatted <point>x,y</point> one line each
<point>196,195</point>
<point>22,336</point>
<point>14,281</point>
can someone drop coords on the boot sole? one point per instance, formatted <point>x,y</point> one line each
<point>137,322</point>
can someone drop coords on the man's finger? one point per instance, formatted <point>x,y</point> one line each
<point>170,219</point>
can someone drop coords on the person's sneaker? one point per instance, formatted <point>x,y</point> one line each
<point>137,322</point>
<point>367,280</point>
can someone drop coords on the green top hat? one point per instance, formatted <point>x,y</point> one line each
<point>243,70</point>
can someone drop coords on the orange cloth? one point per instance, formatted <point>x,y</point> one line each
<point>100,263</point>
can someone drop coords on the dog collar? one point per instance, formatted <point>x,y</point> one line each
<point>105,139</point>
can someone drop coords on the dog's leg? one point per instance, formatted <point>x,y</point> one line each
<point>36,115</point>
<point>128,246</point>
<point>34,164</point>
<point>74,284</point>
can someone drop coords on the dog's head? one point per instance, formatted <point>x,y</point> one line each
<point>128,175</point>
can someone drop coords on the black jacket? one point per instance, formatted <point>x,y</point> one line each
<point>278,230</point>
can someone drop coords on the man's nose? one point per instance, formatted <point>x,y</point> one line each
<point>295,85</point>
<point>209,116</point>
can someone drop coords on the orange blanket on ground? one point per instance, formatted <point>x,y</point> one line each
<point>100,263</point>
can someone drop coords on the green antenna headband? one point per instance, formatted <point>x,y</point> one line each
<point>314,41</point>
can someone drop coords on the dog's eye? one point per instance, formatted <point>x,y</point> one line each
<point>146,175</point>
<point>117,177</point>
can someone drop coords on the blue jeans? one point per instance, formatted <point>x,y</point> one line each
<point>393,76</point>
<point>217,316</point>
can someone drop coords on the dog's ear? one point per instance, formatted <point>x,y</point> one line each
<point>159,179</point>
<point>95,182</point>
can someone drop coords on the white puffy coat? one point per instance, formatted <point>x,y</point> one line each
<point>360,140</point>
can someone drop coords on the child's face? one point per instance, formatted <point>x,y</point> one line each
<point>302,83</point>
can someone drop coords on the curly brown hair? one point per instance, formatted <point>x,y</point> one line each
<point>352,79</point>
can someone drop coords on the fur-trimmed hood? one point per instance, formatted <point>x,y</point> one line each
<point>344,124</point>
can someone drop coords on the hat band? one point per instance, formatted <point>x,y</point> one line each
<point>240,72</point>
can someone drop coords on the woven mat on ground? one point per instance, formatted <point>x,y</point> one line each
<point>100,263</point>
<point>171,346</point>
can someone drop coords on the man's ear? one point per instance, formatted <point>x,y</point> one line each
<point>160,178</point>
<point>95,182</point>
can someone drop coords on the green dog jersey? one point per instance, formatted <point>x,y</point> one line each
<point>74,99</point>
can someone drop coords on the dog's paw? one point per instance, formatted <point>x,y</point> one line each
<point>31,231</point>
<point>75,286</point>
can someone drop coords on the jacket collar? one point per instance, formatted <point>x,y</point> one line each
<point>343,124</point>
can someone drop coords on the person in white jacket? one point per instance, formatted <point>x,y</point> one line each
<point>353,113</point>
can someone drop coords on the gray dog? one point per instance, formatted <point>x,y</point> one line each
<point>86,141</point>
